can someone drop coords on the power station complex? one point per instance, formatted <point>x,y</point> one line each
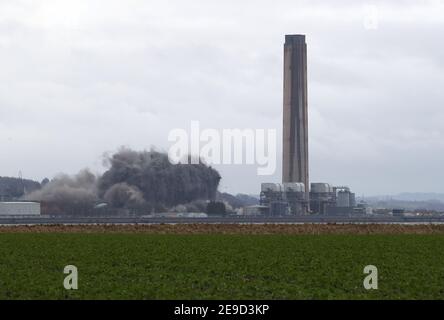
<point>295,195</point>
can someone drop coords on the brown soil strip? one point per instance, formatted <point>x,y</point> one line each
<point>286,229</point>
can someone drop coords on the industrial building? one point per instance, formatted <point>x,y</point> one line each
<point>295,113</point>
<point>290,199</point>
<point>331,200</point>
<point>19,209</point>
<point>322,197</point>
<point>296,196</point>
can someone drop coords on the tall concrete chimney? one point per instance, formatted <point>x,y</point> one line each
<point>295,129</point>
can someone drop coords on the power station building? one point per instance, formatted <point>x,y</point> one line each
<point>288,198</point>
<point>294,196</point>
<point>295,115</point>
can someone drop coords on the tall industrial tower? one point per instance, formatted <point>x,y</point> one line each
<point>295,130</point>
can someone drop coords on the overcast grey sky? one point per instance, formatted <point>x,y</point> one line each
<point>81,77</point>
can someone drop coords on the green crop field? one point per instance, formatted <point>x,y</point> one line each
<point>141,266</point>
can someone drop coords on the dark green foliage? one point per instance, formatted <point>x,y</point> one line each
<point>139,266</point>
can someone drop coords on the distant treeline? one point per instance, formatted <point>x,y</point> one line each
<point>430,205</point>
<point>15,188</point>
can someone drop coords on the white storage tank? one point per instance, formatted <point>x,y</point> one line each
<point>294,187</point>
<point>321,188</point>
<point>271,187</point>
<point>19,208</point>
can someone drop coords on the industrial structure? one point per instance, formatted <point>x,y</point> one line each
<point>284,199</point>
<point>331,200</point>
<point>296,196</point>
<point>322,197</point>
<point>295,120</point>
<point>290,199</point>
<point>19,209</point>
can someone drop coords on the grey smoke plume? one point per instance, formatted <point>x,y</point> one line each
<point>135,180</point>
<point>160,182</point>
<point>68,195</point>
<point>122,195</point>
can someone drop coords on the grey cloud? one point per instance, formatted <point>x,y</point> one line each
<point>82,77</point>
